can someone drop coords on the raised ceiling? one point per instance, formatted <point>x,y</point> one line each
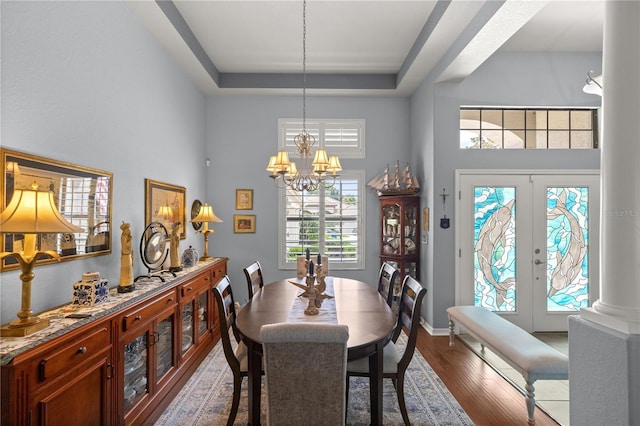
<point>358,47</point>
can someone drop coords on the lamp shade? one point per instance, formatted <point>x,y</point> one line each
<point>282,162</point>
<point>320,161</point>
<point>34,212</point>
<point>334,165</point>
<point>206,214</point>
<point>165,212</point>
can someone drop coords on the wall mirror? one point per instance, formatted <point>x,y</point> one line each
<point>82,195</point>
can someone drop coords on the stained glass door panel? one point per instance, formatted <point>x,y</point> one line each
<point>494,213</point>
<point>566,253</point>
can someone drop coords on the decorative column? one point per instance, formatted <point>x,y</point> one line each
<point>619,303</point>
<point>604,341</point>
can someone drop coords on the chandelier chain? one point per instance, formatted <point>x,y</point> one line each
<point>304,65</point>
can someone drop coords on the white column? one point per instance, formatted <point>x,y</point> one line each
<point>619,303</point>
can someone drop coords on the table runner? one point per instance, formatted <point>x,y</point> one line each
<point>327,313</point>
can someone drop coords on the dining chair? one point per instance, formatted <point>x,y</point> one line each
<point>255,281</point>
<point>395,359</point>
<point>305,370</point>
<point>386,280</point>
<point>237,359</point>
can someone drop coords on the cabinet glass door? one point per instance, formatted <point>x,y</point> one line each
<point>135,371</point>
<point>187,326</point>
<point>410,243</point>
<point>164,347</point>
<point>391,239</point>
<point>203,313</point>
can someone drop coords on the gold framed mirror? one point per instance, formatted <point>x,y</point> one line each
<point>83,196</point>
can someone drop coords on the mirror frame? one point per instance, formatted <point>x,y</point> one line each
<point>52,173</point>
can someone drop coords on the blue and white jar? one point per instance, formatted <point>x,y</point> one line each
<point>189,257</point>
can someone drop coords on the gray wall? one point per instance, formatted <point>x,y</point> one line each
<point>242,133</point>
<point>85,82</point>
<point>506,79</point>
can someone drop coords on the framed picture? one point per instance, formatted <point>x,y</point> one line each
<point>425,219</point>
<point>83,197</point>
<point>244,199</point>
<point>165,203</point>
<point>244,223</point>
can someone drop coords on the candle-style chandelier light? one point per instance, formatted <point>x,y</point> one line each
<point>313,174</point>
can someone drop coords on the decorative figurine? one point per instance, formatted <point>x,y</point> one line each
<point>174,247</point>
<point>126,260</point>
<point>314,292</point>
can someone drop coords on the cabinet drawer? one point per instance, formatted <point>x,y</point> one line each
<point>147,312</point>
<point>218,272</point>
<point>194,285</point>
<point>74,353</point>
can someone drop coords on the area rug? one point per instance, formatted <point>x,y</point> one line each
<point>206,397</point>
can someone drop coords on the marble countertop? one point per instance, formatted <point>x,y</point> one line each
<point>59,324</point>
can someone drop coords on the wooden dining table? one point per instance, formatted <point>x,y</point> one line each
<point>357,305</point>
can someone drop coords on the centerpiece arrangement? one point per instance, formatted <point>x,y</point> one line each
<point>315,285</point>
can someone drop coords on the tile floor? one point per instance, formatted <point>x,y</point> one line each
<point>552,396</point>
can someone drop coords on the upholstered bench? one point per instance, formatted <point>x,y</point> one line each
<point>534,359</point>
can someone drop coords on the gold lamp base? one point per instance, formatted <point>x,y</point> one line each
<point>16,329</point>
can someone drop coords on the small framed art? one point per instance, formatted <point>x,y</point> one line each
<point>244,199</point>
<point>244,223</point>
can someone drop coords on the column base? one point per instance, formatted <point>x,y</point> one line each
<point>622,320</point>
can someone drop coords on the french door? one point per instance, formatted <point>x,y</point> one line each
<point>528,245</point>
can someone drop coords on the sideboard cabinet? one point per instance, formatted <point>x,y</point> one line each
<point>123,365</point>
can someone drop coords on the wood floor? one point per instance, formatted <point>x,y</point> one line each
<point>486,397</point>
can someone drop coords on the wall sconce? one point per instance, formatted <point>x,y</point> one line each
<point>206,215</point>
<point>31,212</point>
<point>593,85</point>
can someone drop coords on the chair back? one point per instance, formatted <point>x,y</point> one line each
<point>409,316</point>
<point>305,367</point>
<point>386,281</point>
<point>227,315</point>
<point>253,274</point>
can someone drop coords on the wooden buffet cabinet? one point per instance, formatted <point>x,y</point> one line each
<point>121,366</point>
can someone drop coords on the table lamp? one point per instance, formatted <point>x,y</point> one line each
<point>206,215</point>
<point>31,212</point>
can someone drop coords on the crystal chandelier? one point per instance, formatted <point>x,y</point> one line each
<point>313,174</point>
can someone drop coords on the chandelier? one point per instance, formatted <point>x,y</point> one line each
<point>314,173</point>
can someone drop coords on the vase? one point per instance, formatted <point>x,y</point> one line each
<point>190,257</point>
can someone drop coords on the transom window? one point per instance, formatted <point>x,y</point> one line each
<point>528,128</point>
<point>344,138</point>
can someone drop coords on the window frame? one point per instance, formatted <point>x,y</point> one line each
<point>322,125</point>
<point>359,176</point>
<point>548,130</point>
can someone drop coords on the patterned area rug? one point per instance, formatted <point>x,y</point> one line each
<point>206,397</point>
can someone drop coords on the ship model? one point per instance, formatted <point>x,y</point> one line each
<point>396,183</point>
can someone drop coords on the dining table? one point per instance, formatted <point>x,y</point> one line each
<point>353,303</point>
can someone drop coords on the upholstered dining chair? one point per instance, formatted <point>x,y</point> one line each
<point>395,359</point>
<point>386,280</point>
<point>237,359</point>
<point>253,274</point>
<point>305,370</point>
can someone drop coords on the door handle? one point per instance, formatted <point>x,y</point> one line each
<point>539,262</point>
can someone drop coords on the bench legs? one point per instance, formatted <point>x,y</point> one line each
<point>531,401</point>
<point>452,333</point>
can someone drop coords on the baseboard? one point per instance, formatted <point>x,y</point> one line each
<point>434,331</point>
